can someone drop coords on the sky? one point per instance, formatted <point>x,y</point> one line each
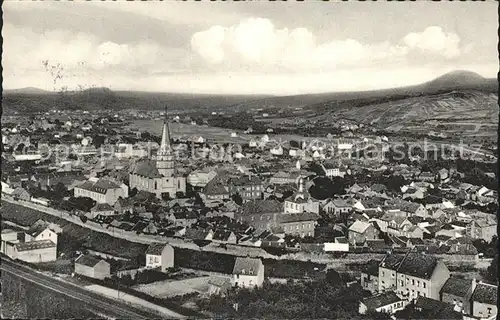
<point>257,47</point>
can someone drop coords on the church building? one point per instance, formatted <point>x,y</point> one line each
<point>158,175</point>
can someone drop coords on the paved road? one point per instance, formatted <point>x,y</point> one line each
<point>100,304</point>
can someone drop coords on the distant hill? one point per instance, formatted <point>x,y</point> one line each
<point>461,79</point>
<point>27,90</point>
<point>26,99</point>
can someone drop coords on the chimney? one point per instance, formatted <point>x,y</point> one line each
<point>474,284</point>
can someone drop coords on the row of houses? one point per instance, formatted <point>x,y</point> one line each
<point>398,280</point>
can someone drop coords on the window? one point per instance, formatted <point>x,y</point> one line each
<point>393,275</point>
<point>401,282</point>
<point>489,311</point>
<point>383,274</point>
<point>418,283</point>
<point>413,281</point>
<point>423,284</point>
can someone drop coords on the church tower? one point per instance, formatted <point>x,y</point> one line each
<point>164,157</point>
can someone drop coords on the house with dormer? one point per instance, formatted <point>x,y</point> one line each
<point>413,275</point>
<point>248,273</point>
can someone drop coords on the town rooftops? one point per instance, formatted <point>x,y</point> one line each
<point>146,168</point>
<point>457,287</point>
<point>359,226</point>
<point>406,206</point>
<point>297,217</point>
<point>246,266</point>
<point>261,206</point>
<point>155,248</point>
<point>438,307</point>
<point>418,265</point>
<point>485,293</point>
<point>215,187</point>
<point>371,268</point>
<point>381,300</point>
<point>100,186</point>
<point>340,203</point>
<point>100,207</point>
<point>88,261</point>
<point>246,180</point>
<point>35,230</point>
<point>391,261</point>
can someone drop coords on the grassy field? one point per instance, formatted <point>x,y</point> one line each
<point>172,288</point>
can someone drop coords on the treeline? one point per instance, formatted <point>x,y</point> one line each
<point>320,299</point>
<point>224,263</point>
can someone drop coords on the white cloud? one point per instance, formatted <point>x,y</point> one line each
<point>79,55</point>
<point>434,40</point>
<point>256,42</point>
<point>208,44</point>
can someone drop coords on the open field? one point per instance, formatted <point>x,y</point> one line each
<point>172,288</point>
<point>212,134</point>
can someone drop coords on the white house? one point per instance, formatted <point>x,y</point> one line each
<point>40,232</point>
<point>248,272</point>
<point>92,267</point>
<point>160,255</point>
<point>277,151</point>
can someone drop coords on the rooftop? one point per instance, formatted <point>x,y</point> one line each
<point>247,266</point>
<point>485,293</point>
<point>381,300</point>
<point>418,265</point>
<point>297,217</point>
<point>457,287</point>
<point>146,168</point>
<point>155,248</point>
<point>261,206</point>
<point>359,226</point>
<point>88,261</point>
<point>35,245</point>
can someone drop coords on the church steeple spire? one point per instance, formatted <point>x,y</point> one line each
<point>164,157</point>
<point>165,137</point>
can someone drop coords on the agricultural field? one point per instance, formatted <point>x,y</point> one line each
<point>461,111</point>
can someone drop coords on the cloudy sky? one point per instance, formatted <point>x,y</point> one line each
<point>244,47</point>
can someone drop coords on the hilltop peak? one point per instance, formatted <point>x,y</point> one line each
<point>456,79</point>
